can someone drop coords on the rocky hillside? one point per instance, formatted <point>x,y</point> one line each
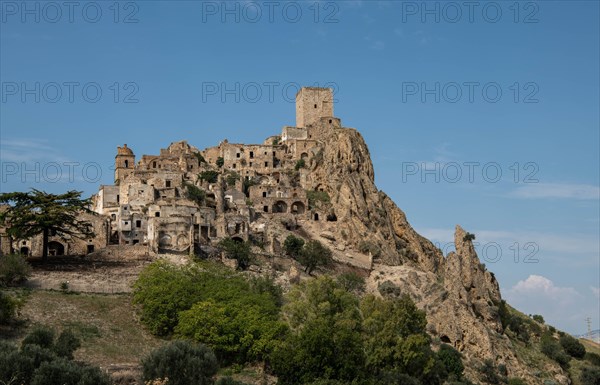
<point>460,296</point>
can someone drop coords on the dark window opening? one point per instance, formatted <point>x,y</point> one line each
<point>330,121</point>
<point>138,224</point>
<point>126,223</point>
<point>315,106</point>
<point>153,164</point>
<point>264,194</point>
<point>24,243</point>
<point>90,249</point>
<point>157,214</point>
<point>266,209</point>
<point>168,183</point>
<point>237,155</point>
<point>316,217</point>
<point>136,241</point>
<point>250,164</point>
<point>126,163</point>
<point>118,198</point>
<point>266,164</point>
<point>251,154</point>
<point>234,165</point>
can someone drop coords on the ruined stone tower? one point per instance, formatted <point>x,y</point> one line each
<point>312,104</point>
<point>124,162</point>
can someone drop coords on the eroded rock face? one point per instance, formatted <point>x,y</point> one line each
<point>458,294</point>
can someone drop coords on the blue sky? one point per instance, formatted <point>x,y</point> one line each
<point>431,85</point>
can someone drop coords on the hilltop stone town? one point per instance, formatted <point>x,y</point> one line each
<point>243,187</point>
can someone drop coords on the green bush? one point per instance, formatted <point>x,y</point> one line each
<point>8,307</point>
<point>590,376</point>
<point>42,336</point>
<point>553,350</point>
<point>299,164</point>
<point>66,344</point>
<point>351,281</point>
<point>195,194</point>
<point>293,246</point>
<point>452,360</point>
<point>240,251</point>
<point>15,368</point>
<point>367,247</point>
<point>14,269</point>
<point>64,372</point>
<point>220,162</point>
<point>200,158</point>
<point>488,372</point>
<point>313,255</point>
<point>592,358</point>
<point>210,176</point>
<point>164,290</point>
<point>572,346</point>
<point>231,178</point>
<point>182,362</point>
<point>538,318</point>
<point>315,197</point>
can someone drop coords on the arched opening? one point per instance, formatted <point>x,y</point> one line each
<point>298,208</point>
<point>331,217</point>
<point>126,163</point>
<point>182,240</point>
<point>56,248</point>
<point>304,156</point>
<point>24,250</point>
<point>164,240</point>
<point>237,239</point>
<point>445,339</point>
<point>316,216</point>
<point>280,207</point>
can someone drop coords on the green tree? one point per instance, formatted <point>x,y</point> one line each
<point>590,376</point>
<point>37,212</point>
<point>313,255</point>
<point>66,344</point>
<point>352,282</point>
<point>293,246</point>
<point>210,176</point>
<point>395,338</point>
<point>65,372</point>
<point>452,361</point>
<point>195,194</point>
<point>552,349</point>
<point>14,269</point>
<point>299,164</point>
<point>182,362</point>
<point>240,251</point>
<point>538,318</point>
<point>572,346</point>
<point>220,162</point>
<point>8,307</point>
<point>325,340</point>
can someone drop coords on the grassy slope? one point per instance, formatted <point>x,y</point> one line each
<point>107,325</point>
<point>531,355</point>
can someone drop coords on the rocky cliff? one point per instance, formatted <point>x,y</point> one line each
<point>459,295</point>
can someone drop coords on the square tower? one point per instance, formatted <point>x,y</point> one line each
<point>313,103</point>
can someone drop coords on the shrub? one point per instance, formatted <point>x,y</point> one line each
<point>14,269</point>
<point>352,282</point>
<point>66,344</point>
<point>182,362</point>
<point>195,194</point>
<point>231,178</point>
<point>200,158</point>
<point>452,361</point>
<point>8,307</point>
<point>488,372</point>
<point>220,162</point>
<point>317,196</point>
<point>590,376</point>
<point>592,358</point>
<point>64,372</point>
<point>469,237</point>
<point>538,318</point>
<point>164,290</point>
<point>553,350</point>
<point>572,346</point>
<point>293,246</point>
<point>209,176</point>
<point>42,336</point>
<point>313,255</point>
<point>15,368</point>
<point>367,247</point>
<point>240,251</point>
<point>299,164</point>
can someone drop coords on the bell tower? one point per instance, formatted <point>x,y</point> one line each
<point>124,162</point>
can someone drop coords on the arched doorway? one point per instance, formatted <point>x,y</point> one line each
<point>24,251</point>
<point>56,248</point>
<point>316,216</point>
<point>280,207</point>
<point>237,239</point>
<point>298,208</point>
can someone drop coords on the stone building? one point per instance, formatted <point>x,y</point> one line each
<point>154,202</point>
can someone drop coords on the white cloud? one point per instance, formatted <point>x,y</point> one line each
<point>596,291</point>
<point>556,190</point>
<point>563,307</point>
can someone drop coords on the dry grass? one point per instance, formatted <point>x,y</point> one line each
<point>110,333</point>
